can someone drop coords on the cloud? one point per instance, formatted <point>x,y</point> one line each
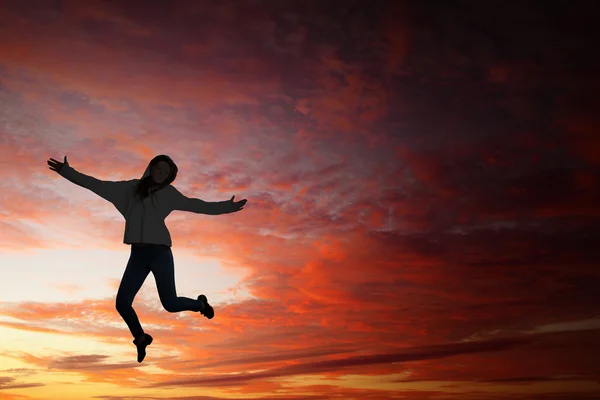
<point>277,397</point>
<point>7,382</point>
<point>241,339</point>
<point>526,379</point>
<point>273,357</point>
<point>14,396</point>
<point>25,371</point>
<point>354,361</point>
<point>94,362</point>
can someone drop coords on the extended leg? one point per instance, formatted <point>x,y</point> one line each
<point>164,273</point>
<point>133,278</point>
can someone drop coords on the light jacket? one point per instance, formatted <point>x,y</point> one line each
<point>144,220</point>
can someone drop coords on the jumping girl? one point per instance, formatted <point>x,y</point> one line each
<point>145,203</point>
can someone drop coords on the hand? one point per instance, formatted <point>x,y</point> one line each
<point>57,165</point>
<point>237,205</point>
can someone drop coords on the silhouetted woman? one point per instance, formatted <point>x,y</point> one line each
<point>145,203</point>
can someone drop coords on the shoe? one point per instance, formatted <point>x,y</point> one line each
<point>207,311</point>
<point>141,347</point>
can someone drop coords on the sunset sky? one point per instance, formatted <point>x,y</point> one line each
<point>423,195</point>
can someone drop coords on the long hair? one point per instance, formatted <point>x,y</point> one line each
<point>147,186</point>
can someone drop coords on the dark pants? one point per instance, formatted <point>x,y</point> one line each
<point>157,259</point>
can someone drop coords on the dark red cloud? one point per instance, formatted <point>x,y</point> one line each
<point>355,361</point>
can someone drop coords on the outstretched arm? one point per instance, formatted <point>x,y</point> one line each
<point>183,203</point>
<point>112,191</point>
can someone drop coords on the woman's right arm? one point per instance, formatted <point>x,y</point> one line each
<point>111,191</point>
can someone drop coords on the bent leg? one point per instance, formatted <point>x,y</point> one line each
<point>164,273</point>
<point>133,278</point>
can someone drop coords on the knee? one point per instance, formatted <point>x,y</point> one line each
<point>122,305</point>
<point>169,306</point>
